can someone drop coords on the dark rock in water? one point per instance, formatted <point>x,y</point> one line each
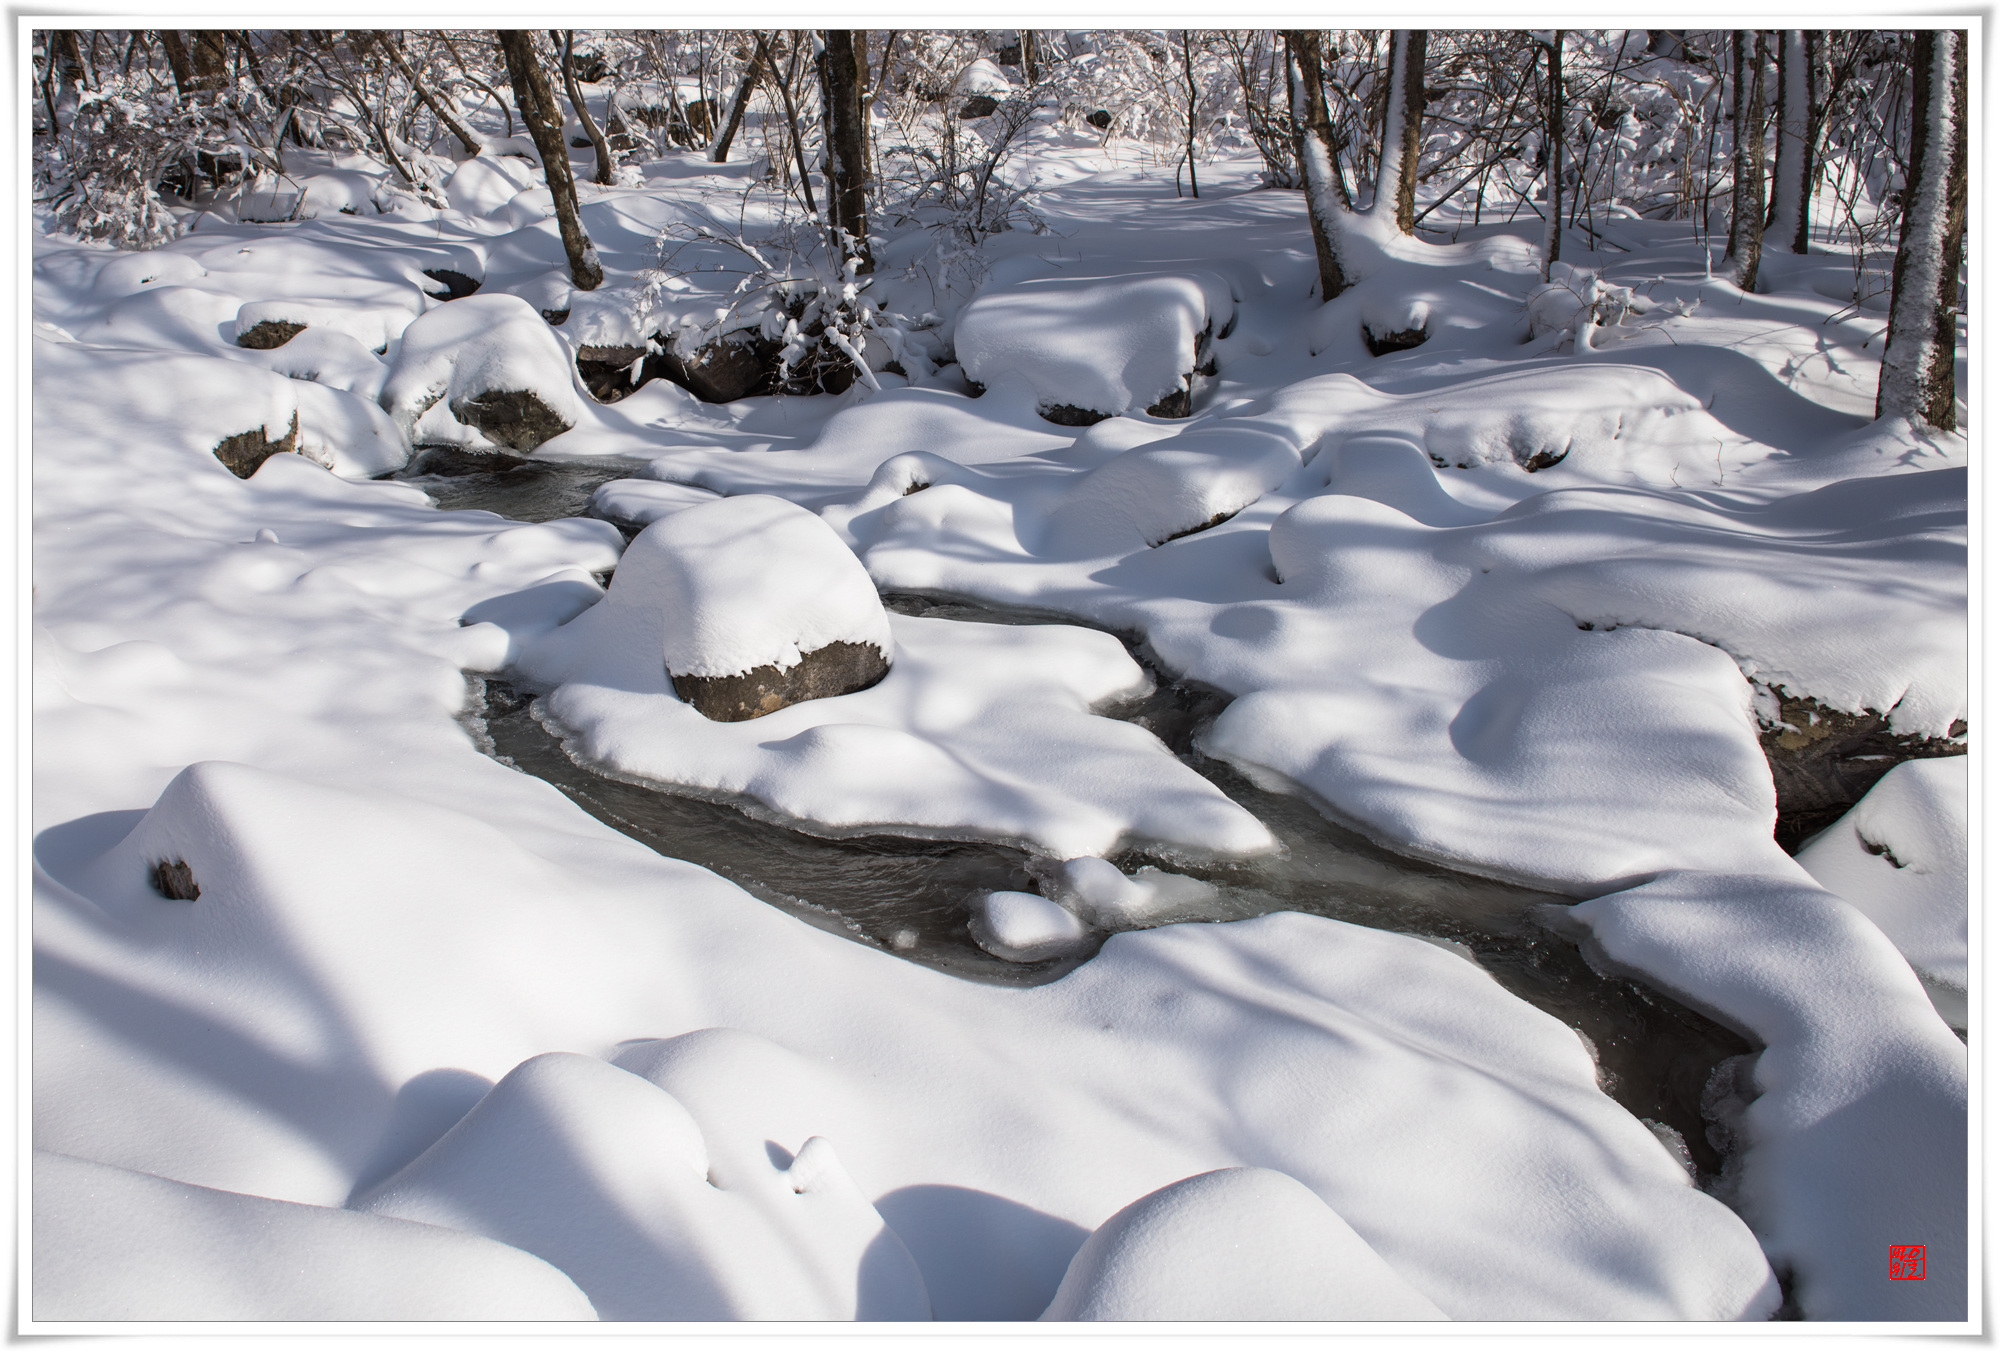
<point>242,453</point>
<point>1180,403</point>
<point>1823,761</point>
<point>978,106</point>
<point>173,879</point>
<point>458,462</point>
<point>1400,340</point>
<point>837,668</point>
<point>513,417</point>
<point>1100,118</point>
<point>1069,415</point>
<point>270,333</point>
<point>607,371</point>
<point>457,286</point>
<point>733,366</point>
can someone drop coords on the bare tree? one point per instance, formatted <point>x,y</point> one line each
<point>1919,375</point>
<point>575,91</point>
<point>545,124</point>
<point>1315,149</point>
<point>1402,128</point>
<point>1792,180</point>
<point>738,106</point>
<point>1746,209</point>
<point>1552,154</point>
<point>451,120</point>
<point>842,78</point>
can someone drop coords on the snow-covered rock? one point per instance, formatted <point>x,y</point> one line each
<point>1900,858</point>
<point>1106,898</point>
<point>1019,926</point>
<point>640,501</point>
<point>493,362</point>
<point>112,1244</point>
<point>488,181</point>
<point>1235,1245</point>
<point>1101,346</point>
<point>263,323</point>
<point>1157,492</point>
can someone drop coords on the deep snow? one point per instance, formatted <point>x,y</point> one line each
<point>408,967</point>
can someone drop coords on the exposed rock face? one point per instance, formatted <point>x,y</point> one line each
<point>837,668</point>
<point>733,366</point>
<point>1099,118</point>
<point>1180,403</point>
<point>173,879</point>
<point>242,453</point>
<point>515,418</point>
<point>456,285</point>
<point>978,106</point>
<point>607,371</point>
<point>1823,761</point>
<point>270,333</point>
<point>1399,340</point>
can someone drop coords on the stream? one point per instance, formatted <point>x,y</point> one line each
<point>912,897</point>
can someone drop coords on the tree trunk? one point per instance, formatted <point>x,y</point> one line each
<point>1792,179</point>
<point>210,53</point>
<point>1919,363</point>
<point>177,60</point>
<point>545,125</point>
<point>1552,156</point>
<point>783,84</point>
<point>1746,208</point>
<point>1402,129</point>
<point>720,151</point>
<point>597,141</point>
<point>841,81</point>
<point>443,114</point>
<point>1315,152</point>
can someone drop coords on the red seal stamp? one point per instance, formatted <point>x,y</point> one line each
<point>1906,1261</point>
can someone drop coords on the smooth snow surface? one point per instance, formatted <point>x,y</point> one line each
<point>1508,600</point>
<point>1900,858</point>
<point>112,1244</point>
<point>1236,1245</point>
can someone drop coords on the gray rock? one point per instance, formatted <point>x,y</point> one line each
<point>513,417</point>
<point>270,333</point>
<point>1823,760</point>
<point>242,453</point>
<point>837,668</point>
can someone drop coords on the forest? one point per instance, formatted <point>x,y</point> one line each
<point>1166,675</point>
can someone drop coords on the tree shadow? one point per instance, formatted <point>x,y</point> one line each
<point>983,1257</point>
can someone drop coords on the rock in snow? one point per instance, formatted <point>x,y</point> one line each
<point>1234,1245</point>
<point>764,607</point>
<point>1019,926</point>
<point>493,363</point>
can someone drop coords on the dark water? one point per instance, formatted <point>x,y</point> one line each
<point>913,896</point>
<point>518,487</point>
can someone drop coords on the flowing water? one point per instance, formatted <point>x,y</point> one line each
<point>913,897</point>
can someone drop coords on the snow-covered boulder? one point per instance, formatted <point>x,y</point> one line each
<point>1899,857</point>
<point>1237,1244</point>
<point>115,1244</point>
<point>1092,348</point>
<point>1019,926</point>
<point>273,323</point>
<point>1106,898</point>
<point>1163,490</point>
<point>493,362</point>
<point>485,183</point>
<point>765,606</point>
<point>604,1175</point>
<point>637,502</point>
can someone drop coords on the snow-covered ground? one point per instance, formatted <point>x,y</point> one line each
<point>1508,601</point>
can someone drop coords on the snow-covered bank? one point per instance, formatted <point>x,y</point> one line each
<point>1497,604</point>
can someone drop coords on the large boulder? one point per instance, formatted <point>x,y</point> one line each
<point>493,364</point>
<point>765,607</point>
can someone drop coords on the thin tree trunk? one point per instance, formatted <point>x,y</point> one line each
<point>1919,362</point>
<point>1315,152</point>
<point>783,84</point>
<point>1402,129</point>
<point>720,151</point>
<point>544,122</point>
<point>597,141</point>
<point>1552,157</point>
<point>443,114</point>
<point>210,53</point>
<point>841,81</point>
<point>1746,208</point>
<point>1792,178</point>
<point>1193,105</point>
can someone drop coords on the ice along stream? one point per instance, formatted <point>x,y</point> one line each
<point>913,897</point>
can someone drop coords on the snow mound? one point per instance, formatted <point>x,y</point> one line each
<point>113,1244</point>
<point>1102,345</point>
<point>1019,926</point>
<point>981,730</point>
<point>640,501</point>
<point>605,1176</point>
<point>750,581</point>
<point>477,348</point>
<point>373,326</point>
<point>1237,1244</point>
<point>1154,493</point>
<point>1106,898</point>
<point>1899,857</point>
<point>486,182</point>
<point>348,434</point>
